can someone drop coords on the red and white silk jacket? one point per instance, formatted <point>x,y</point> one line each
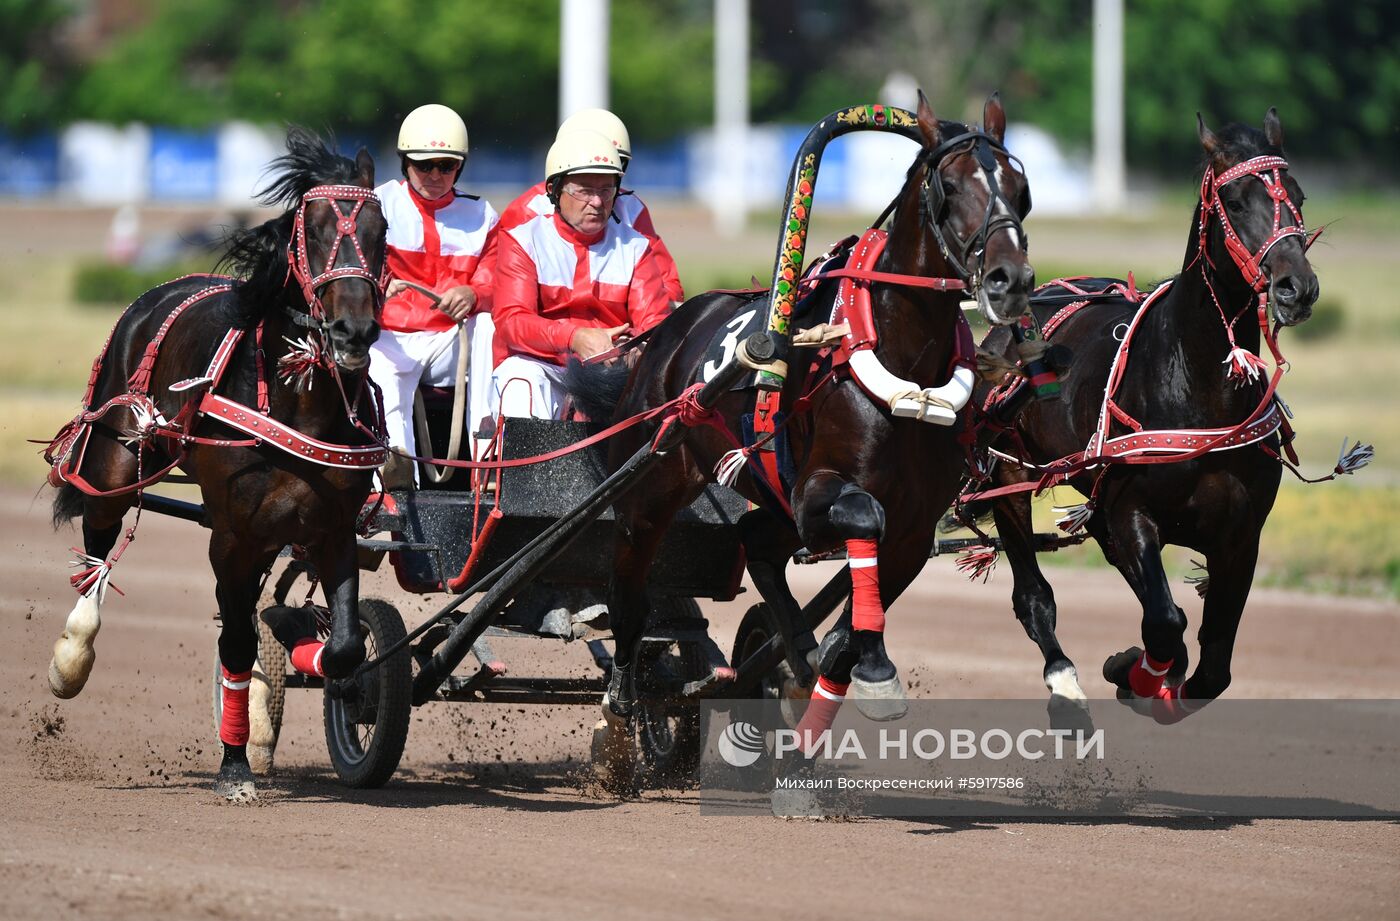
<point>629,210</point>
<point>439,245</point>
<point>551,280</point>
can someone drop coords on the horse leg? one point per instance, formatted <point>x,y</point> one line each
<point>769,543</point>
<point>1231,577</point>
<point>107,466</point>
<point>1142,672</point>
<point>829,506</point>
<point>641,525</point>
<point>338,567</point>
<point>1033,600</point>
<point>236,570</point>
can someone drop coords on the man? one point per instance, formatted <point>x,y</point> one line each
<point>628,208</point>
<point>570,281</point>
<point>443,241</point>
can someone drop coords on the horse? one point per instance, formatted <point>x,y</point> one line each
<point>1199,436</point>
<point>186,380</point>
<point>867,479</point>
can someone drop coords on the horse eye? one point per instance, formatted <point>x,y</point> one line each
<point>1233,206</point>
<point>949,188</point>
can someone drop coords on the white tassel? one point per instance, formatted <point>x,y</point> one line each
<point>1350,461</point>
<point>1073,517</point>
<point>143,427</point>
<point>92,577</point>
<point>1243,365</point>
<point>298,367</point>
<point>727,470</point>
<point>1200,578</point>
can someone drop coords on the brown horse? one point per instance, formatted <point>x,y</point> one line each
<point>1185,372</point>
<point>866,480</point>
<point>257,498</point>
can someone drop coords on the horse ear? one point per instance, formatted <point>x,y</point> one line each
<point>1209,142</point>
<point>364,165</point>
<point>994,118</point>
<point>928,122</point>
<point>1273,128</point>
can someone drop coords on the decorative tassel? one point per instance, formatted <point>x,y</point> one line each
<point>1200,578</point>
<point>1074,517</point>
<point>92,577</point>
<point>143,426</point>
<point>727,470</point>
<point>978,562</point>
<point>1350,461</point>
<point>1243,365</point>
<point>298,367</point>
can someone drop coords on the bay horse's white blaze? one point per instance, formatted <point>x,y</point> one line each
<point>73,653</point>
<point>1064,682</point>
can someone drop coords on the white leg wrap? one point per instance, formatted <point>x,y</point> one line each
<point>73,654</point>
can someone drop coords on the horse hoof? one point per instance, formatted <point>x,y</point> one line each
<point>290,625</point>
<point>795,804</point>
<point>235,783</point>
<point>260,758</point>
<point>340,661</point>
<point>1116,667</point>
<point>881,701</point>
<point>617,712</point>
<point>65,688</point>
<point>1069,715</point>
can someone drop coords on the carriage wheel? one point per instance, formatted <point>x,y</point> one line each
<point>779,683</point>
<point>266,699</point>
<point>366,728</point>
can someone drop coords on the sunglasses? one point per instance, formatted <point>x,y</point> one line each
<point>444,166</point>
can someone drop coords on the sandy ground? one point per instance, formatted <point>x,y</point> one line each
<point>106,808</point>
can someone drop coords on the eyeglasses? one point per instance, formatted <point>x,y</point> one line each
<point>584,194</point>
<point>444,166</point>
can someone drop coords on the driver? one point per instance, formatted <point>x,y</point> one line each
<point>569,282</point>
<point>440,240</point>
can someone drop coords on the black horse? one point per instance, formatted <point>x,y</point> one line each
<point>863,478</point>
<point>257,499</point>
<point>1188,366</point>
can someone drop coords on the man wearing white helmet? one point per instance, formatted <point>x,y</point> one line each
<point>570,281</point>
<point>443,241</point>
<point>627,208</point>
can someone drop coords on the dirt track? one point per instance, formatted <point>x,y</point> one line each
<point>106,809</point>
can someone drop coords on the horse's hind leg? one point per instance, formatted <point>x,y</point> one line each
<point>1033,600</point>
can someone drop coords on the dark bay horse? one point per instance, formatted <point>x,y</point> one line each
<point>865,480</point>
<point>1189,369</point>
<point>257,498</point>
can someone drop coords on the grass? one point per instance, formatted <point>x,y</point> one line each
<point>1330,537</point>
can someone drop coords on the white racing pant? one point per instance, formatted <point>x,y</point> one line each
<point>522,386</point>
<point>402,362</point>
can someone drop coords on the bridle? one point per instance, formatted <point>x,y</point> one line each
<point>961,253</point>
<point>1267,169</point>
<point>299,262</point>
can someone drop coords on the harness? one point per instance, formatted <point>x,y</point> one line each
<point>1143,445</point>
<point>66,450</point>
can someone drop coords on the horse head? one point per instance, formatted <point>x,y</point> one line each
<point>975,196</point>
<point>337,254</point>
<point>1251,215</point>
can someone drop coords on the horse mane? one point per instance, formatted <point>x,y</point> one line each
<point>1242,142</point>
<point>257,256</point>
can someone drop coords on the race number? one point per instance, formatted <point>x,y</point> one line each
<point>728,344</point>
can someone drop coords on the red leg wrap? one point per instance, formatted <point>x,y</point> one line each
<point>866,611</point>
<point>233,727</point>
<point>306,657</point>
<point>1170,707</point>
<point>1146,675</point>
<point>821,713</point>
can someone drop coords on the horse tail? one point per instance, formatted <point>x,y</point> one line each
<point>597,389</point>
<point>67,505</point>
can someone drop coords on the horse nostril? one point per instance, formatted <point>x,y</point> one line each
<point>1285,290</point>
<point>1028,278</point>
<point>996,282</point>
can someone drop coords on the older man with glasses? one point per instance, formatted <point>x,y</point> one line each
<point>628,208</point>
<point>570,281</point>
<point>440,241</point>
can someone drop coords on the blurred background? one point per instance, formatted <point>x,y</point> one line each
<point>134,133</point>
